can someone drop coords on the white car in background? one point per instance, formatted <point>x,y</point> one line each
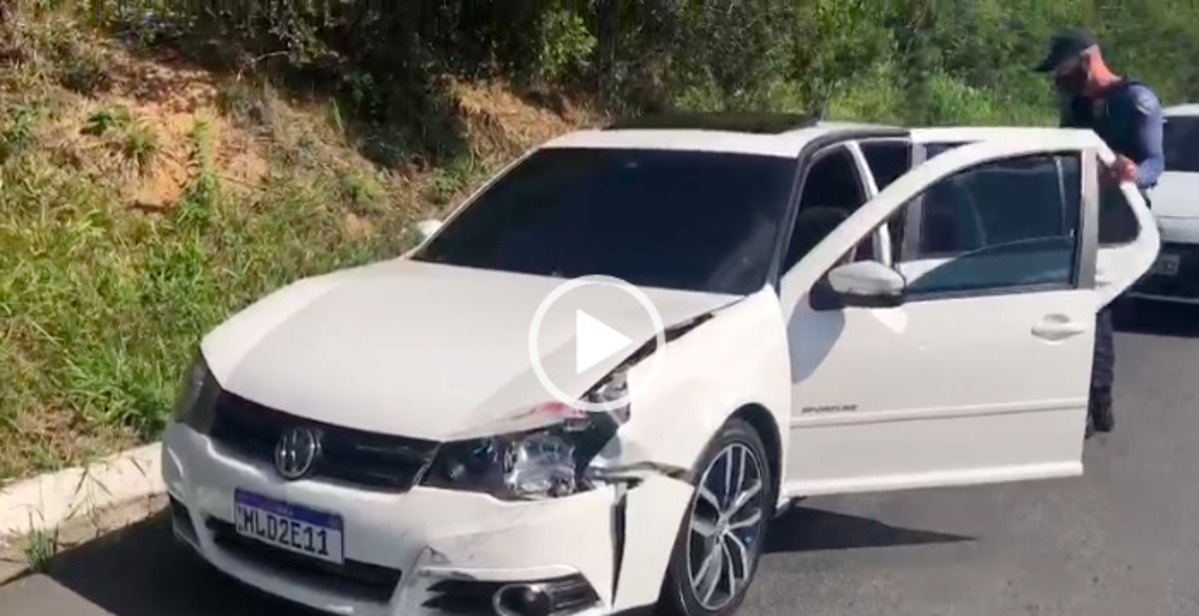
<point>840,311</point>
<point>1175,202</point>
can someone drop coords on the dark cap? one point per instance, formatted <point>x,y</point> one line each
<point>1064,46</point>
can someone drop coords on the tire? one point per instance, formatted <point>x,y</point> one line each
<point>708,535</point>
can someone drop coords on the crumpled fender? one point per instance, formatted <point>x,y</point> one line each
<point>735,360</point>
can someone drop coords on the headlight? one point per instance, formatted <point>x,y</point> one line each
<point>611,396</point>
<point>537,464</point>
<point>195,406</point>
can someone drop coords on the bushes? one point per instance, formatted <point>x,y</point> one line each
<point>961,61</point>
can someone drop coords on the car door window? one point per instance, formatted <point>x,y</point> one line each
<point>999,226</point>
<point>933,150</point>
<point>832,191</point>
<point>887,160</point>
<point>1117,223</point>
<point>1181,145</point>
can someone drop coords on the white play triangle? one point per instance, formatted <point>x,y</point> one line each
<point>595,341</point>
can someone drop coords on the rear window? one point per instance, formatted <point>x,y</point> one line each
<point>1182,143</point>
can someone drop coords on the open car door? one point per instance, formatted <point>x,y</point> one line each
<point>963,356</point>
<point>1128,235</point>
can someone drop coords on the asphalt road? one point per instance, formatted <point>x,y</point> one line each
<point>1122,540</point>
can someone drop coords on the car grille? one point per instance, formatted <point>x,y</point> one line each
<point>355,457</point>
<point>354,579</point>
<point>1184,284</point>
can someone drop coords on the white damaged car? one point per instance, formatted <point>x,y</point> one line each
<point>835,309</point>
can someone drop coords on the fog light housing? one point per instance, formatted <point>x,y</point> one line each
<point>560,596</point>
<point>522,600</point>
<point>566,595</point>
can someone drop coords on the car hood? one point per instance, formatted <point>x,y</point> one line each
<point>1176,195</point>
<point>415,349</point>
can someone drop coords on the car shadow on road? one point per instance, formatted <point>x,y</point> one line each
<point>808,530</point>
<point>1156,319</point>
<point>143,571</point>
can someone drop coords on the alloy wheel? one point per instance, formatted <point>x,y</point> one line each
<point>725,527</point>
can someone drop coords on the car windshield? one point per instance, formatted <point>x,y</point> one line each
<point>691,220</point>
<point>1182,143</point>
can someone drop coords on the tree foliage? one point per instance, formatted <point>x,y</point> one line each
<point>920,61</point>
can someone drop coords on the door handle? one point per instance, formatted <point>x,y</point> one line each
<point>1058,327</point>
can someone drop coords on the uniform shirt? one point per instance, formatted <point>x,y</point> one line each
<point>1128,117</point>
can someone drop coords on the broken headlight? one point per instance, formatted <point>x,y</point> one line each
<point>536,464</point>
<point>195,406</point>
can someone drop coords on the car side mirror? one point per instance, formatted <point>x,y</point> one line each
<point>867,284</point>
<point>426,228</point>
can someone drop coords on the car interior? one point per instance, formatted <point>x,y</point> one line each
<point>832,192</point>
<point>959,211</point>
<point>992,211</point>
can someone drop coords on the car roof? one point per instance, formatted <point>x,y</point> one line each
<point>1187,109</point>
<point>768,134</point>
<point>964,134</point>
<point>758,123</point>
<point>781,135</point>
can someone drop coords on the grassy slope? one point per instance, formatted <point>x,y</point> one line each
<point>142,200</point>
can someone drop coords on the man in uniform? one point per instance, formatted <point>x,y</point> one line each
<point>1127,115</point>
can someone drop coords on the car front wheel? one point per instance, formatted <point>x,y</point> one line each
<point>720,540</point>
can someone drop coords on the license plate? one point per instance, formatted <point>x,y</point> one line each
<point>1166,265</point>
<point>290,527</point>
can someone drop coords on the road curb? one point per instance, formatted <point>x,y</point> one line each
<point>84,493</point>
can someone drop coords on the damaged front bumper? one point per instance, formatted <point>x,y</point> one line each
<point>431,551</point>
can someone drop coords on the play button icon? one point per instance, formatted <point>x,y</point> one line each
<point>601,321</point>
<point>595,341</point>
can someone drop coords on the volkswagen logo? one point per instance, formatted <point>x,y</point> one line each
<point>296,452</point>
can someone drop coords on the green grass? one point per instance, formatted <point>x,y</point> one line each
<point>102,306</point>
<point>40,547</point>
<point>16,134</point>
<point>140,147</point>
<point>103,121</point>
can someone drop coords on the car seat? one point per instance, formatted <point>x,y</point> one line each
<point>813,224</point>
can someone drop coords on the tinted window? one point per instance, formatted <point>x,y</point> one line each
<point>1117,222</point>
<point>1002,224</point>
<point>686,220</point>
<point>1182,143</point>
<point>887,159</point>
<point>832,191</point>
<point>998,203</point>
<point>934,150</point>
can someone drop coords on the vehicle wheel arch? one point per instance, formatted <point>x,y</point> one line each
<point>763,421</point>
<point>753,422</point>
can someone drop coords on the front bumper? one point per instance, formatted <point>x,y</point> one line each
<point>408,553</point>
<point>1174,278</point>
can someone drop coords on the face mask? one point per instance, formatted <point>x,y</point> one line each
<point>1072,82</point>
